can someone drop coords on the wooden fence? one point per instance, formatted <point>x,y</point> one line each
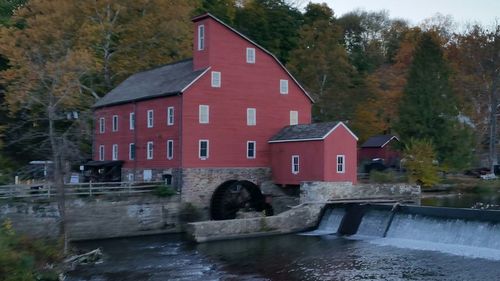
<point>79,189</point>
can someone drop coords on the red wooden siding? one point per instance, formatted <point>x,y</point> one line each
<point>159,134</point>
<point>243,86</point>
<point>318,159</point>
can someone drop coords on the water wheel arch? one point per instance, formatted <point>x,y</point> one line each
<point>234,195</point>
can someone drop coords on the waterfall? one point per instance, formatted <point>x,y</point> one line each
<point>457,231</point>
<point>330,222</point>
<point>446,231</point>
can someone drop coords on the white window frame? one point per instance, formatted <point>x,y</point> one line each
<point>150,118</point>
<point>204,111</point>
<point>131,121</point>
<point>199,149</point>
<point>201,37</point>
<point>102,125</point>
<point>170,149</point>
<point>170,115</point>
<point>250,55</point>
<point>294,117</point>
<point>131,151</point>
<point>216,79</point>
<point>283,86</point>
<point>254,149</point>
<point>251,117</point>
<point>101,152</point>
<point>114,155</point>
<point>115,123</point>
<point>340,164</point>
<point>295,167</point>
<point>150,150</point>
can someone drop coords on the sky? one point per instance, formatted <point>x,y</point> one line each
<point>463,11</point>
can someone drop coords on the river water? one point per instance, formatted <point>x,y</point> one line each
<point>285,257</point>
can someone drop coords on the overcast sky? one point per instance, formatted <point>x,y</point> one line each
<point>483,11</point>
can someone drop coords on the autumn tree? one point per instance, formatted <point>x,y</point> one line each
<point>321,63</point>
<point>428,109</point>
<point>379,111</point>
<point>475,56</point>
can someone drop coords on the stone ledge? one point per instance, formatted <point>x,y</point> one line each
<point>294,220</point>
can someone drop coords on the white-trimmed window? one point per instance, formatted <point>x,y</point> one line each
<point>149,150</point>
<point>283,86</point>
<point>170,115</point>
<point>102,125</point>
<point>340,164</point>
<point>295,164</point>
<point>250,55</point>
<point>115,152</point>
<point>115,123</point>
<point>170,149</point>
<point>131,121</point>
<point>204,114</point>
<point>101,152</point>
<point>131,151</point>
<point>251,116</point>
<point>294,117</point>
<point>203,149</point>
<point>150,118</point>
<point>251,149</point>
<point>216,79</point>
<point>201,37</point>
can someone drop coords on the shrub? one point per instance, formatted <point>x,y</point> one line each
<point>164,191</point>
<point>420,163</point>
<point>24,259</point>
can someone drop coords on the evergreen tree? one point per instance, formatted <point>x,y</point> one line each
<point>428,108</point>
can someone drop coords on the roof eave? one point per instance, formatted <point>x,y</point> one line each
<point>138,99</point>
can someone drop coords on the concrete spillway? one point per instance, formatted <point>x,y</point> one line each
<point>466,232</point>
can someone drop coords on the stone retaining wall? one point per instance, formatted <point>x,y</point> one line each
<point>198,184</point>
<point>96,218</point>
<point>324,191</point>
<point>294,220</point>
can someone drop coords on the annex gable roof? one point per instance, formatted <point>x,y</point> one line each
<point>378,141</point>
<point>208,15</point>
<point>308,132</point>
<point>167,80</point>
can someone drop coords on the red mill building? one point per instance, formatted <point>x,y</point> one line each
<point>228,119</point>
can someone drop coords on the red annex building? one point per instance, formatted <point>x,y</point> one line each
<point>213,121</point>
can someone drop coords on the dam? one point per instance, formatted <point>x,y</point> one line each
<point>386,242</point>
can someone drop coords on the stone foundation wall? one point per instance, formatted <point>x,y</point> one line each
<point>96,218</point>
<point>200,183</point>
<point>324,191</point>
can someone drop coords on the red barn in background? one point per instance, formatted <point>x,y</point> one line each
<point>203,124</point>
<point>381,148</point>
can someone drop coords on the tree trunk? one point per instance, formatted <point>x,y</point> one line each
<point>58,179</point>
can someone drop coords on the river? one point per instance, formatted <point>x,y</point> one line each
<point>285,257</point>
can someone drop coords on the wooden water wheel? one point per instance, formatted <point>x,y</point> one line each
<point>234,195</point>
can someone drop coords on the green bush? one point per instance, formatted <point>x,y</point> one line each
<point>420,163</point>
<point>382,176</point>
<point>24,259</point>
<point>164,191</point>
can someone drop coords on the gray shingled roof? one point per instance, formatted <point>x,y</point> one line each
<point>378,141</point>
<point>304,132</point>
<point>166,80</point>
